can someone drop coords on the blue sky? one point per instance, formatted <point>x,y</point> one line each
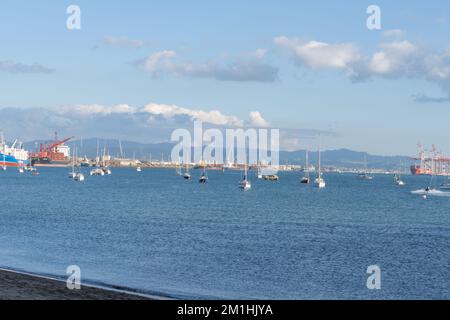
<point>304,65</point>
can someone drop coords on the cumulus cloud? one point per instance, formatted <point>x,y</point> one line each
<point>16,67</point>
<point>154,111</point>
<point>213,117</point>
<point>317,55</point>
<point>123,42</point>
<point>257,120</point>
<point>393,59</point>
<point>248,67</point>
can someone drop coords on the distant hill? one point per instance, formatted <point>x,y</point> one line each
<point>338,158</point>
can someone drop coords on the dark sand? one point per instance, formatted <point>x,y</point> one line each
<point>18,286</point>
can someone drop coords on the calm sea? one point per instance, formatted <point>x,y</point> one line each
<point>156,233</point>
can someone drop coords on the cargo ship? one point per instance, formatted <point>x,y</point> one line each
<point>53,154</point>
<point>12,156</point>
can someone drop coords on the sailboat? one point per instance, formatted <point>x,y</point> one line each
<point>364,175</point>
<point>21,170</point>
<point>97,171</point>
<point>259,174</point>
<point>79,177</point>
<point>72,173</point>
<point>398,180</point>
<point>76,175</point>
<point>319,182</point>
<point>203,177</point>
<point>245,184</point>
<point>187,175</point>
<point>305,178</point>
<point>138,169</point>
<point>178,167</point>
<point>105,166</point>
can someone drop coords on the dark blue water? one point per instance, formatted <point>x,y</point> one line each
<point>154,232</point>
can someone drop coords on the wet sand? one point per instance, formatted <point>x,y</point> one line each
<point>20,286</point>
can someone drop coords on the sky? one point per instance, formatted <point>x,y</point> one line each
<point>139,69</point>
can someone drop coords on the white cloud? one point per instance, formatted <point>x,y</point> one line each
<point>95,109</point>
<point>123,41</point>
<point>438,65</point>
<point>257,120</point>
<point>400,47</point>
<point>158,61</point>
<point>393,59</point>
<point>162,111</point>
<point>316,55</point>
<point>249,67</point>
<point>213,117</point>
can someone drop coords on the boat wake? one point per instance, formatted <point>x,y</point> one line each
<point>432,192</point>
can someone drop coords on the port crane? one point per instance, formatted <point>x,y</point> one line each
<point>50,152</point>
<point>431,162</point>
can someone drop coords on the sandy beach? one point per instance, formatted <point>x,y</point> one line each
<point>21,286</point>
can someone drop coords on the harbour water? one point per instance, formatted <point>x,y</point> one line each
<point>158,234</point>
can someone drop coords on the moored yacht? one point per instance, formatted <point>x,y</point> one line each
<point>319,181</point>
<point>305,179</point>
<point>245,184</point>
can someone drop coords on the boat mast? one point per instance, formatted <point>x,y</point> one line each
<point>320,169</point>
<point>307,164</point>
<point>73,160</point>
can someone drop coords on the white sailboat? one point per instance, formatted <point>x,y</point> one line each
<point>364,175</point>
<point>105,166</point>
<point>259,174</point>
<point>398,180</point>
<point>97,172</point>
<point>138,169</point>
<point>305,178</point>
<point>245,184</point>
<point>320,181</point>
<point>78,175</point>
<point>72,173</point>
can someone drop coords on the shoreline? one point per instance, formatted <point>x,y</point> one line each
<point>21,285</point>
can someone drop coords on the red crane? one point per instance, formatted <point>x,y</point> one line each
<point>48,153</point>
